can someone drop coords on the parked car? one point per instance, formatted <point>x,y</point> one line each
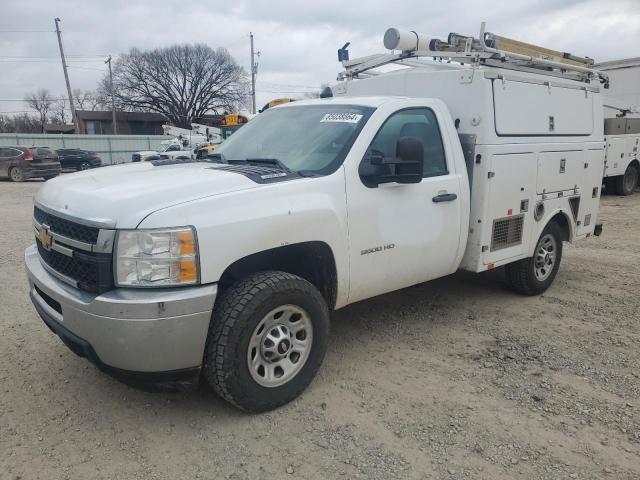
<point>21,163</point>
<point>76,159</point>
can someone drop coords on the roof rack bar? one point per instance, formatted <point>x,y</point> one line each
<point>465,49</point>
<point>541,61</point>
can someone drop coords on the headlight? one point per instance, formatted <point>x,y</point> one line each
<point>156,258</point>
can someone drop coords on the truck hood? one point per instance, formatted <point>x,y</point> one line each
<point>121,196</point>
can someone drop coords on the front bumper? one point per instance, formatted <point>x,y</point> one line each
<point>141,335</point>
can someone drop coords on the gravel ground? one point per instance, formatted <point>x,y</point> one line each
<point>458,378</point>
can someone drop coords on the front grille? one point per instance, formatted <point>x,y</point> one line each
<point>91,271</point>
<point>66,228</point>
<point>507,232</point>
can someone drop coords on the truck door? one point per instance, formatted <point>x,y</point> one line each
<point>404,234</point>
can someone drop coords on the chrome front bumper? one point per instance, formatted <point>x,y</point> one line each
<point>135,331</point>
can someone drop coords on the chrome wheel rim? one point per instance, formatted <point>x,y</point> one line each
<point>545,257</point>
<point>84,166</point>
<point>280,345</point>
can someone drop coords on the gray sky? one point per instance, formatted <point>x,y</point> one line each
<point>297,40</point>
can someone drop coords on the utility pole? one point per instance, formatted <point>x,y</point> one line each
<point>113,102</point>
<point>66,76</point>
<point>254,73</point>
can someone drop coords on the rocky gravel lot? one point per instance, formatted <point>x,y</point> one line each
<point>454,379</point>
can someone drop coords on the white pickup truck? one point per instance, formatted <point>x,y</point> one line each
<point>172,149</point>
<point>227,269</point>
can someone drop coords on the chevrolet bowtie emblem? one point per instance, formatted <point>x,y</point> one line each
<point>45,237</point>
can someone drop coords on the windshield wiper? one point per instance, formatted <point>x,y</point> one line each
<point>264,161</point>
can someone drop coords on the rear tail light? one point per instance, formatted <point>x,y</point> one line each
<point>95,156</point>
<point>28,155</point>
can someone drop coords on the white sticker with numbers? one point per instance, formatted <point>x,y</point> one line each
<point>342,117</point>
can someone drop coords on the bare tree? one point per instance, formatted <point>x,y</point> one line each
<point>23,123</point>
<point>59,112</point>
<point>182,82</point>
<point>6,124</point>
<point>88,100</point>
<point>41,101</point>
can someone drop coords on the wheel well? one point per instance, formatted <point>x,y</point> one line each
<point>313,261</point>
<point>562,221</point>
<point>636,164</point>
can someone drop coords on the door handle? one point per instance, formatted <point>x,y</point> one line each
<point>444,197</point>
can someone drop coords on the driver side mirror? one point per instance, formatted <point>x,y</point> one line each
<point>406,167</point>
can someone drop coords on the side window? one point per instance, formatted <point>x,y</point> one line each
<point>5,152</point>
<point>173,148</point>
<point>414,122</point>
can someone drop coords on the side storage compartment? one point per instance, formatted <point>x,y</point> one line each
<point>590,192</point>
<point>560,171</point>
<point>526,108</point>
<point>512,193</point>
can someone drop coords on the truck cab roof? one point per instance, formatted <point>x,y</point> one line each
<point>364,101</point>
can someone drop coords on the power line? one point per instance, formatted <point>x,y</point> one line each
<point>47,60</point>
<point>27,31</point>
<point>53,99</point>
<point>237,40</point>
<point>86,68</point>
<point>23,100</point>
<point>53,56</point>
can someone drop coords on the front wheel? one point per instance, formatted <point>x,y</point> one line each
<point>16,174</point>
<point>627,183</point>
<point>533,275</point>
<point>84,166</point>
<point>267,340</point>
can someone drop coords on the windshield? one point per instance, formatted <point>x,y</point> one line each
<point>310,138</point>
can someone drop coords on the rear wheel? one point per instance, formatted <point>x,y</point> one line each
<point>267,340</point>
<point>16,174</point>
<point>627,183</point>
<point>533,275</point>
<point>84,166</point>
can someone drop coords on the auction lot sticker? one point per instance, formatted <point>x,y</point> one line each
<point>342,117</point>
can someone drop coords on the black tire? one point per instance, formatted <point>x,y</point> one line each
<point>84,166</point>
<point>16,174</point>
<point>237,314</point>
<point>521,275</point>
<point>627,183</point>
<point>609,185</point>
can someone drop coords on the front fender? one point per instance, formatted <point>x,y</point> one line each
<point>238,224</point>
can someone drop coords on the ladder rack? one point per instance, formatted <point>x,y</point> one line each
<point>492,50</point>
